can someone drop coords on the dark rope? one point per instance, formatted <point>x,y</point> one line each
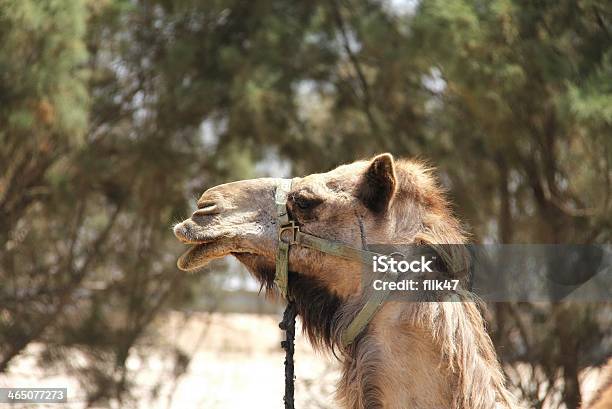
<point>288,325</point>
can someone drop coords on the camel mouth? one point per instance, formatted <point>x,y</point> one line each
<point>206,245</point>
<point>200,254</point>
<point>194,258</point>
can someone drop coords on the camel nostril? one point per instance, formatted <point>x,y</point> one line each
<point>207,209</point>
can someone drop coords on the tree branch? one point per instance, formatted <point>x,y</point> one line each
<point>365,88</point>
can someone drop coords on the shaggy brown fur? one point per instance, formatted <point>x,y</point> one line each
<point>411,355</point>
<point>602,399</point>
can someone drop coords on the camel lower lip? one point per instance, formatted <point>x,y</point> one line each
<point>189,259</point>
<point>201,254</point>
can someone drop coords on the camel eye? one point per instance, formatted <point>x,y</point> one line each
<point>304,203</point>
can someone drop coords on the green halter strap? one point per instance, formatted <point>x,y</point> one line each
<point>334,248</point>
<point>281,278</point>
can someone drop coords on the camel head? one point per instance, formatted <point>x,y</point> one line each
<point>375,201</point>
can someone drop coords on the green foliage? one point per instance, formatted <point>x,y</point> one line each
<point>42,57</point>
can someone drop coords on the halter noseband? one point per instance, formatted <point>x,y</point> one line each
<point>298,237</point>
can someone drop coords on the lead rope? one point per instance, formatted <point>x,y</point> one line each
<point>288,325</point>
<point>281,279</point>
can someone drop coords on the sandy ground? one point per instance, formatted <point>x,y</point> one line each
<point>237,363</point>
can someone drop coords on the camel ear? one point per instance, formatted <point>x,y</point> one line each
<point>378,183</point>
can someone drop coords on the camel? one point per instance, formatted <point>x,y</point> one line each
<point>411,354</point>
<point>602,399</point>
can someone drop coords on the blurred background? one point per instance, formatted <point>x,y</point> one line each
<point>115,115</point>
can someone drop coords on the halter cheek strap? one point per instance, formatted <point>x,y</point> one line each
<point>297,237</point>
<point>281,278</point>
